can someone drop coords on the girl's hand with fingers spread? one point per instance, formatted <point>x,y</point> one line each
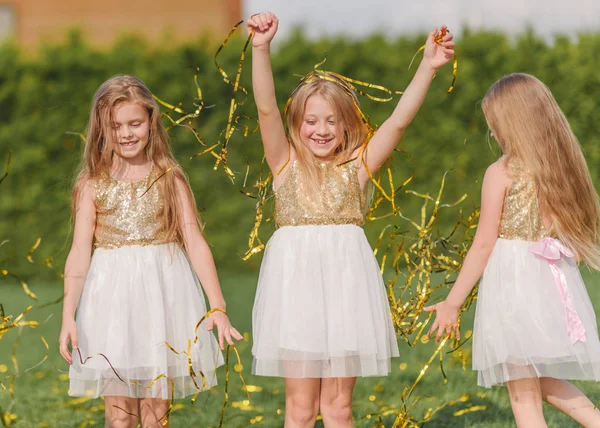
<point>446,320</point>
<point>225,330</point>
<point>265,26</point>
<point>439,48</point>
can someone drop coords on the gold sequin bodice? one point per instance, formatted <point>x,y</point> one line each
<point>127,216</point>
<point>521,217</point>
<point>339,200</point>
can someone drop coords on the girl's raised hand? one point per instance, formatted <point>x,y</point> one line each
<point>224,328</point>
<point>437,53</point>
<point>68,333</point>
<point>264,26</point>
<point>446,320</point>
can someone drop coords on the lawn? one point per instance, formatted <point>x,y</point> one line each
<point>41,400</point>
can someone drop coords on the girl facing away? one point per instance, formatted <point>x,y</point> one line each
<point>134,266</point>
<point>535,326</point>
<point>321,315</point>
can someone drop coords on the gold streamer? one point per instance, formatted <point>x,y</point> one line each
<point>168,412</point>
<point>199,104</point>
<point>23,283</point>
<point>55,302</point>
<point>7,166</point>
<point>263,189</point>
<point>6,325</point>
<point>469,410</point>
<point>82,361</point>
<point>226,389</point>
<point>421,259</point>
<point>36,244</point>
<point>158,178</point>
<point>226,401</point>
<point>13,355</point>
<point>233,104</point>
<point>125,411</point>
<point>5,418</point>
<point>43,359</point>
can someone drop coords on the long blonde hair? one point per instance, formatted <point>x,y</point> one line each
<point>98,154</point>
<point>345,104</point>
<point>530,127</point>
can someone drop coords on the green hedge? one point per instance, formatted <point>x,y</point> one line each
<point>44,96</point>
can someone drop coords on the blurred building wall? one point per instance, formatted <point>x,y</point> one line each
<point>101,21</point>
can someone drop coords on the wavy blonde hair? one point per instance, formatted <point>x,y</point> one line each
<point>530,127</point>
<point>97,158</point>
<point>345,105</point>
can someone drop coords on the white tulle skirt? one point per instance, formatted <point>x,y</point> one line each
<point>136,299</point>
<point>521,328</point>
<point>321,308</point>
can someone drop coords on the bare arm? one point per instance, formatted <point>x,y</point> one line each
<point>76,267</point>
<point>495,184</point>
<point>203,263</point>
<point>386,138</point>
<point>276,146</point>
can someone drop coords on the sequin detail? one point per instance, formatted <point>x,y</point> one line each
<point>125,217</point>
<point>340,199</point>
<point>521,217</point>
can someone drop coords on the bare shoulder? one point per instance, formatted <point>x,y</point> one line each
<point>183,189</point>
<point>85,189</point>
<point>84,204</point>
<point>498,173</point>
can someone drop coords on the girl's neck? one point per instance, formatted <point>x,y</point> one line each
<point>130,169</point>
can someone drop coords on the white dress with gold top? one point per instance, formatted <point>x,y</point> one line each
<point>534,317</point>
<point>321,308</point>
<point>140,294</point>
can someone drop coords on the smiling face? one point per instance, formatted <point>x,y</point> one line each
<point>131,126</point>
<point>321,131</point>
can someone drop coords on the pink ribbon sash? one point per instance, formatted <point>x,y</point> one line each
<point>553,250</point>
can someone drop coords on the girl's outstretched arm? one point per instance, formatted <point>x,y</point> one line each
<point>203,263</point>
<point>272,131</point>
<point>386,138</point>
<point>76,267</point>
<point>495,184</point>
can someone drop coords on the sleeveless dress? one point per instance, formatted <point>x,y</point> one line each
<point>321,308</point>
<point>534,317</point>
<point>140,292</point>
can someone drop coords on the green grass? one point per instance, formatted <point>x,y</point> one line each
<point>40,394</point>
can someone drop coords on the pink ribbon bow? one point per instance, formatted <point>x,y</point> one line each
<point>553,250</point>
